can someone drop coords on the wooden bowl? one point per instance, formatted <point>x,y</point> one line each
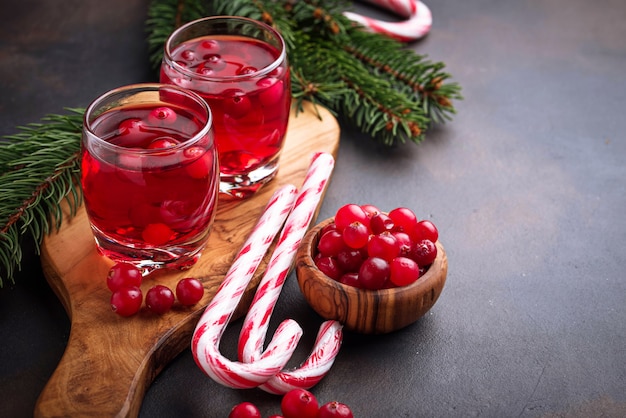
<point>361,310</point>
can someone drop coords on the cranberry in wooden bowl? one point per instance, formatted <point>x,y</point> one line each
<point>363,310</point>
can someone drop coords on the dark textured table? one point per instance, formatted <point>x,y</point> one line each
<point>527,186</point>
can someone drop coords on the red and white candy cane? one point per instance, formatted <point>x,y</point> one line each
<point>417,25</point>
<point>256,323</point>
<point>217,315</point>
<point>315,367</point>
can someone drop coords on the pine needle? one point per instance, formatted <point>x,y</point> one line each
<point>39,168</point>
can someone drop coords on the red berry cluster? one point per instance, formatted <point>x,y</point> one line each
<point>297,403</point>
<point>124,281</point>
<point>370,249</point>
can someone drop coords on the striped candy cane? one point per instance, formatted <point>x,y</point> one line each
<point>315,367</point>
<point>262,368</point>
<point>417,25</point>
<point>217,315</point>
<point>256,323</point>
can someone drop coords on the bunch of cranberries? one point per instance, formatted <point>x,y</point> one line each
<point>297,403</point>
<point>370,249</point>
<point>124,281</point>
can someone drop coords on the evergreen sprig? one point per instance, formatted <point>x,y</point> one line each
<point>371,81</point>
<point>164,16</point>
<point>375,83</point>
<point>39,169</point>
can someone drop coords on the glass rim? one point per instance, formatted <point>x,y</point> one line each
<point>167,50</point>
<point>88,128</point>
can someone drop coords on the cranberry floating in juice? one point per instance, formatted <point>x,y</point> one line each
<point>239,66</point>
<point>150,175</point>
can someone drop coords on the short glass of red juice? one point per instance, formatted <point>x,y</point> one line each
<point>150,175</point>
<point>239,66</point>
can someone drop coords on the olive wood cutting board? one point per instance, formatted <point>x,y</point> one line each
<point>110,361</point>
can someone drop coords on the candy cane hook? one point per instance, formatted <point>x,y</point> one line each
<point>256,323</point>
<point>315,367</point>
<point>217,315</point>
<point>417,25</point>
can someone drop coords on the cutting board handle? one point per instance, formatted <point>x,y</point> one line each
<point>107,365</point>
<point>96,378</point>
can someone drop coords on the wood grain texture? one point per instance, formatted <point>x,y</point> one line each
<point>367,311</point>
<point>110,361</point>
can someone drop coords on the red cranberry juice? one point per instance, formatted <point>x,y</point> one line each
<point>250,114</point>
<point>152,190</point>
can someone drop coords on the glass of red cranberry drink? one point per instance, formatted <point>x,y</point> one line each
<point>149,174</point>
<point>239,66</point>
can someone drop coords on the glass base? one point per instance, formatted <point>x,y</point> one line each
<point>179,257</point>
<point>242,186</point>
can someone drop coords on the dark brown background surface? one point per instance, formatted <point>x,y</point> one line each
<point>527,186</point>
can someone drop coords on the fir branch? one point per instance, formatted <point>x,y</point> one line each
<point>372,81</point>
<point>165,16</point>
<point>273,13</point>
<point>411,74</point>
<point>39,169</point>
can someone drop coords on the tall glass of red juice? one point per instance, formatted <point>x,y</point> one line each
<point>239,66</point>
<point>149,174</point>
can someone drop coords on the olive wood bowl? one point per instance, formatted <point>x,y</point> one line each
<point>361,310</point>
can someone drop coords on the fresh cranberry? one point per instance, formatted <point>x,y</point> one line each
<point>350,279</point>
<point>328,266</point>
<point>370,210</point>
<point>209,45</point>
<point>331,243</point>
<point>245,410</point>
<point>123,275</point>
<point>236,103</point>
<point>247,70</point>
<point>329,227</point>
<point>132,133</point>
<point>189,291</point>
<point>356,235</point>
<point>188,55</point>
<point>272,90</point>
<point>403,219</point>
<point>335,409</point>
<point>157,234</point>
<point>213,62</point>
<point>349,213</point>
<point>349,260</point>
<point>380,223</point>
<point>383,245</point>
<point>425,229</point>
<point>203,164</point>
<point>131,126</point>
<point>214,59</point>
<point>202,69</point>
<point>403,241</point>
<point>403,271</point>
<point>162,142</point>
<point>126,301</point>
<point>374,272</point>
<point>424,252</point>
<point>162,115</point>
<point>299,403</point>
<point>159,299</point>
